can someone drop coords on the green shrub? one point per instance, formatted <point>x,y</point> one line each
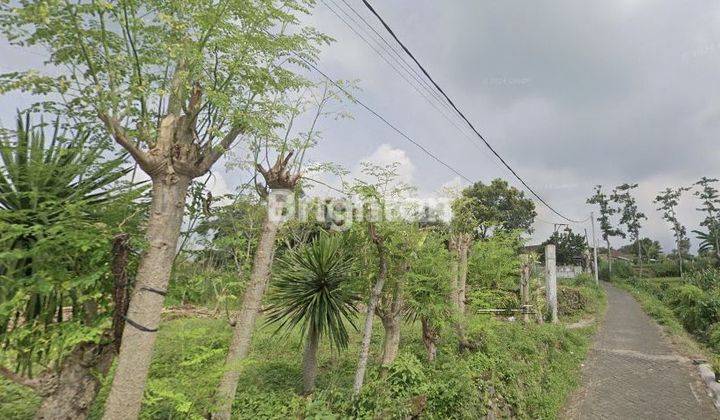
<point>707,279</point>
<point>696,309</point>
<point>573,300</point>
<point>492,299</point>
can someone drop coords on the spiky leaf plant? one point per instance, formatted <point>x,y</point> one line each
<point>55,194</point>
<point>313,289</point>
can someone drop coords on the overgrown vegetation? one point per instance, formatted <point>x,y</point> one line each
<point>518,370</point>
<point>691,303</point>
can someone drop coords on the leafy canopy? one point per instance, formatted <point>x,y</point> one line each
<point>606,213</point>
<point>569,247</point>
<point>130,62</point>
<point>499,204</point>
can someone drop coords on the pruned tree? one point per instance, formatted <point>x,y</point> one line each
<point>174,84</point>
<point>605,220</point>
<point>630,216</point>
<point>379,227</point>
<point>277,189</point>
<point>668,201</point>
<point>464,227</point>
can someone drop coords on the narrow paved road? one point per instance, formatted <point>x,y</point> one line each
<point>632,371</point>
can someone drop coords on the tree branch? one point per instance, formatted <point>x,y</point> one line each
<point>212,154</point>
<point>118,133</point>
<point>18,379</point>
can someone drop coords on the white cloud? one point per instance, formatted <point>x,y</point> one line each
<point>388,155</point>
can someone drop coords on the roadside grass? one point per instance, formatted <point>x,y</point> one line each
<point>664,315</point>
<point>515,370</point>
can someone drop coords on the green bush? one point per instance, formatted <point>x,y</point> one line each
<point>492,299</point>
<point>707,279</point>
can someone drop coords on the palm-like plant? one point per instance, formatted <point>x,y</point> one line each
<point>45,183</point>
<point>313,290</point>
<point>709,241</point>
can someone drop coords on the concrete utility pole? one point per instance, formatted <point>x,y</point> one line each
<point>592,220</point>
<point>551,282</point>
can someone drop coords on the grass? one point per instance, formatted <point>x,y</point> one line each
<point>518,370</point>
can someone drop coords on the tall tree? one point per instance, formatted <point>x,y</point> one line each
<point>630,216</point>
<point>378,229</point>
<point>175,84</point>
<point>605,219</point>
<point>463,228</point>
<point>710,199</point>
<point>668,201</point>
<point>498,205</point>
<point>278,190</point>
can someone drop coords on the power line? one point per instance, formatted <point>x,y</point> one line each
<point>397,54</point>
<point>418,88</point>
<point>383,119</point>
<point>462,115</point>
<point>407,68</point>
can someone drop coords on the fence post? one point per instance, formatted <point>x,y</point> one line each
<point>551,282</point>
<point>525,286</point>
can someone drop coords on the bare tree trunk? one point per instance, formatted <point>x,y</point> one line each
<point>143,317</point>
<point>391,343</point>
<point>464,243</point>
<point>609,258</point>
<point>429,337</point>
<point>370,313</point>
<point>680,258</point>
<point>70,392</point>
<point>525,286</point>
<point>391,318</point>
<point>245,320</point>
<point>310,361</point>
<point>454,269</point>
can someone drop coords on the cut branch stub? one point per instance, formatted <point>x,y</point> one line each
<point>278,176</point>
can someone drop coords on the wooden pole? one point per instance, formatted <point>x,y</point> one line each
<point>551,282</point>
<point>525,286</point>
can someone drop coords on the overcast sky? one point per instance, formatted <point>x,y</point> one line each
<point>571,93</point>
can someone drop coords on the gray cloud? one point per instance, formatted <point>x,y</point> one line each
<point>571,93</point>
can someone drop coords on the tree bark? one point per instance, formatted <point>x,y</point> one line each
<point>429,337</point>
<point>370,313</point>
<point>464,244</point>
<point>454,270</point>
<point>245,320</point>
<point>680,258</point>
<point>138,340</point>
<point>310,362</point>
<point>70,392</point>
<point>609,253</point>
<point>391,343</point>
